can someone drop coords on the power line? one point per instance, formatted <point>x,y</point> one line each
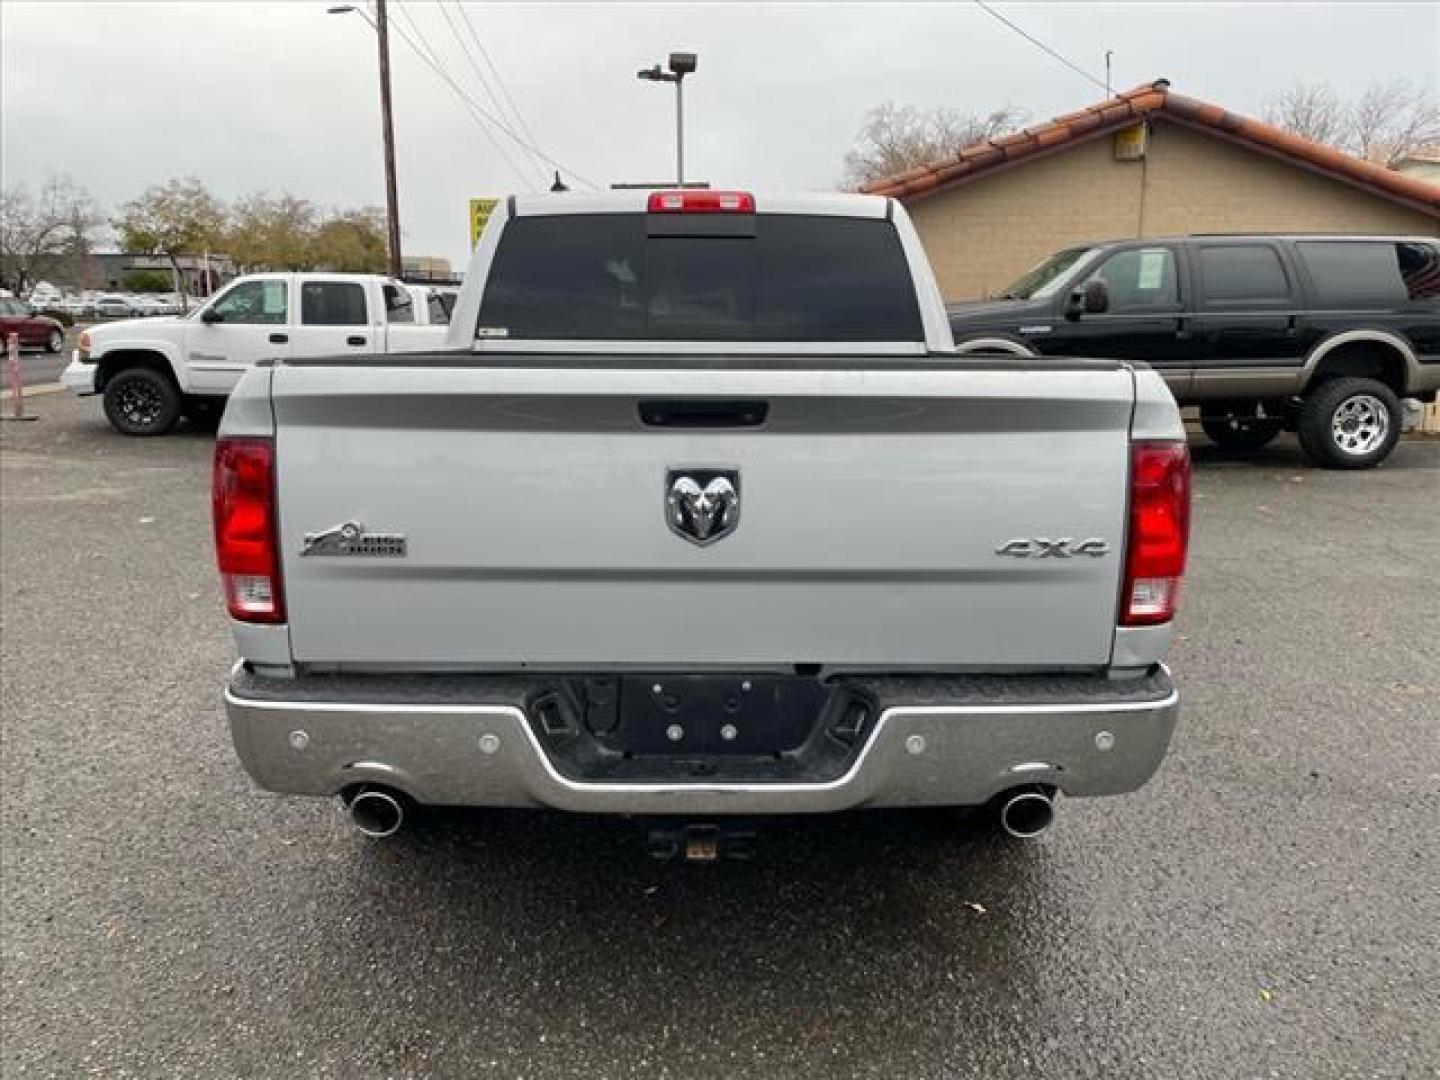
<point>495,70</point>
<point>433,59</point>
<point>480,113</point>
<point>480,77</point>
<point>404,12</point>
<point>1042,46</point>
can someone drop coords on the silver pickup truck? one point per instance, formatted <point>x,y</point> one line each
<point>699,515</point>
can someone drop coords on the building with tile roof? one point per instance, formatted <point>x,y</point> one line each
<point>1147,162</point>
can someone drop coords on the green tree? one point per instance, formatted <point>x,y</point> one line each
<point>146,281</point>
<point>179,217</point>
<point>273,232</point>
<point>352,241</point>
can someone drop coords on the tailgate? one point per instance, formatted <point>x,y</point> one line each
<point>533,506</point>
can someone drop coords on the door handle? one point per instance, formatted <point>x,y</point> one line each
<point>355,339</point>
<point>1182,328</point>
<point>279,339</point>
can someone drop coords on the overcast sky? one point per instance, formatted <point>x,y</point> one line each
<point>282,96</point>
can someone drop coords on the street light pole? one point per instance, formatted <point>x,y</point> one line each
<point>680,132</point>
<point>392,198</point>
<point>681,64</point>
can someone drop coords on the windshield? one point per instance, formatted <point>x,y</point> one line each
<point>1044,279</point>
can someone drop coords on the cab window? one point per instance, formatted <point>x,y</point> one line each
<point>1141,279</point>
<point>332,303</point>
<point>399,307</point>
<point>249,302</point>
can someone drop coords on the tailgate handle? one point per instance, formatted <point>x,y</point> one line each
<point>703,413</point>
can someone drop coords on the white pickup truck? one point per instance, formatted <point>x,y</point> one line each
<point>701,516</point>
<point>153,371</point>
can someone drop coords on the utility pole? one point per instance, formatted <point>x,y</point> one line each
<point>392,197</point>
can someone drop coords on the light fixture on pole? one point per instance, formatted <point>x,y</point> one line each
<point>392,198</point>
<point>681,64</point>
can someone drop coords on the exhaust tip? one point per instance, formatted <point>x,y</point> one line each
<point>377,813</point>
<point>1026,814</point>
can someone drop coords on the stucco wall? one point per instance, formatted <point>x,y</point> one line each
<point>982,235</point>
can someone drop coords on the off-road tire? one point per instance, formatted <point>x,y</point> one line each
<point>142,401</point>
<point>1349,423</point>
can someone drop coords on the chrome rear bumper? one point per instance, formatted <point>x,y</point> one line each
<point>944,741</point>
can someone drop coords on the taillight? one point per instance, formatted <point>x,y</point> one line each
<point>246,545</point>
<point>701,202</point>
<point>1159,532</point>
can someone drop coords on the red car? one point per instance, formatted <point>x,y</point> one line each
<point>36,331</point>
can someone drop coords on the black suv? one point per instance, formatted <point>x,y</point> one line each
<point>1321,335</point>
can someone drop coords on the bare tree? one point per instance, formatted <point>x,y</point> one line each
<point>1389,121</point>
<point>1311,110</point>
<point>44,232</point>
<point>1393,120</point>
<point>895,138</point>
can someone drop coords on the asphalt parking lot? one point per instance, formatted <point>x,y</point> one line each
<point>1266,907</point>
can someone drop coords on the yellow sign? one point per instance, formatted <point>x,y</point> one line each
<point>479,214</point>
<point>1130,142</point>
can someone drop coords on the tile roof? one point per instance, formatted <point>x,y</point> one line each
<point>1156,99</point>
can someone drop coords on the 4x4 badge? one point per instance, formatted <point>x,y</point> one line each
<point>702,505</point>
<point>1040,548</point>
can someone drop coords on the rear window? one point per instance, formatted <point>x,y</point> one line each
<point>1349,273</point>
<point>789,278</point>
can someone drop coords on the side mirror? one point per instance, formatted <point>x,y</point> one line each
<point>210,315</point>
<point>1092,298</point>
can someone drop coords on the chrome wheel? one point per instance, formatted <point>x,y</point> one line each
<point>1360,424</point>
<point>140,403</point>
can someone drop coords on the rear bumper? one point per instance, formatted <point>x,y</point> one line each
<point>944,741</point>
<point>79,377</point>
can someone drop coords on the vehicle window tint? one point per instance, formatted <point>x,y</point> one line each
<point>1419,270</point>
<point>799,278</point>
<point>834,279</point>
<point>701,287</point>
<point>248,302</point>
<point>1144,278</point>
<point>1243,272</point>
<point>576,276</point>
<point>332,303</point>
<point>399,306</point>
<point>1346,273</point>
